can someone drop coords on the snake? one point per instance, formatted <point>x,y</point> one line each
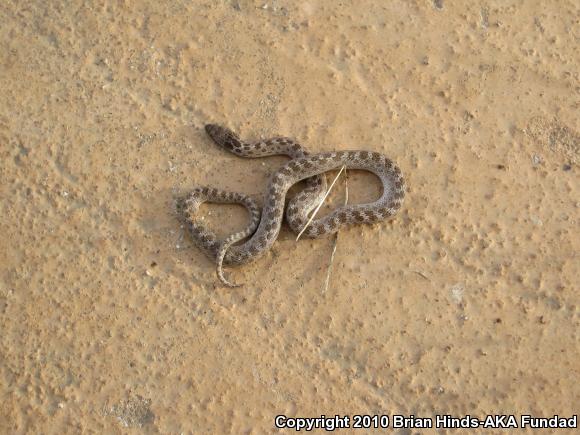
<point>264,225</point>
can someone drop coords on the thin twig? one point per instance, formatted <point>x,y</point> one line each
<point>422,275</point>
<point>321,202</point>
<point>335,242</point>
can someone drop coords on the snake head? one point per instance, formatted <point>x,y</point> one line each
<point>224,137</point>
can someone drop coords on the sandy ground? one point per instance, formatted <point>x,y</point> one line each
<point>466,303</point>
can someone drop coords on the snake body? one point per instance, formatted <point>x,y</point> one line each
<point>264,227</point>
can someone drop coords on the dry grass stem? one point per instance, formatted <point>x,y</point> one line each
<point>321,202</point>
<point>335,241</point>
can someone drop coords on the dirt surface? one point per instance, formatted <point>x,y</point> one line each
<point>466,302</point>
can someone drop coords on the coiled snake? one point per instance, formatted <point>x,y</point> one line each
<point>265,226</point>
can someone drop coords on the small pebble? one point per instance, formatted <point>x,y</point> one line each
<point>536,220</point>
